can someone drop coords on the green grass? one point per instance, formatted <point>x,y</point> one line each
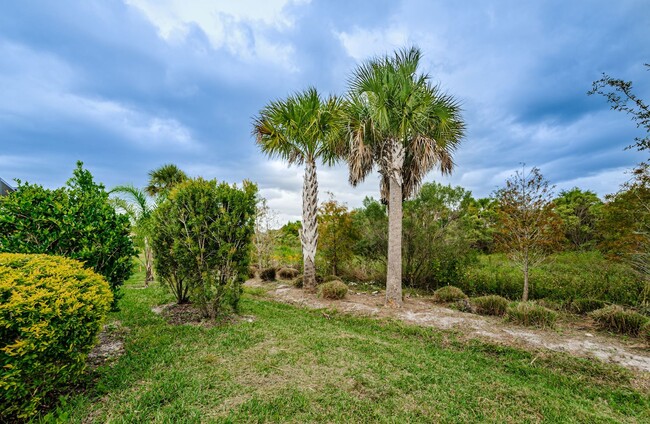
<point>296,365</point>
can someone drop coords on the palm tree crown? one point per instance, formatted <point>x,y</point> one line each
<point>163,179</point>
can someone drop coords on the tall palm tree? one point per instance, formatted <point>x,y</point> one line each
<point>134,203</point>
<point>400,122</point>
<point>163,179</point>
<point>302,129</point>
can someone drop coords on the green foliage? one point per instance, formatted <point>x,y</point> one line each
<point>268,274</point>
<point>531,314</point>
<point>76,221</point>
<point>644,332</point>
<point>51,309</point>
<point>619,320</point>
<point>163,179</point>
<point>336,234</point>
<point>583,306</point>
<point>333,290</point>
<point>202,237</point>
<point>490,305</point>
<point>287,273</point>
<point>329,278</point>
<point>564,277</point>
<point>581,212</point>
<point>448,294</point>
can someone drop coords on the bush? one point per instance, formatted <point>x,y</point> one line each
<point>645,331</point>
<point>287,273</point>
<point>76,221</point>
<point>329,278</point>
<point>619,320</point>
<point>297,282</point>
<point>202,236</point>
<point>268,274</point>
<point>531,314</point>
<point>464,305</point>
<point>490,305</point>
<point>51,309</point>
<point>448,294</point>
<point>583,306</point>
<point>333,290</point>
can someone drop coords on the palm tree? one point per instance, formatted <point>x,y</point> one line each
<point>134,203</point>
<point>301,130</point>
<point>397,120</point>
<point>163,179</point>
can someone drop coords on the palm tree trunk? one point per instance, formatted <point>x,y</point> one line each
<point>394,270</point>
<point>309,232</point>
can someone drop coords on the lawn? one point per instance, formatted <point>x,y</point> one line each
<point>289,364</point>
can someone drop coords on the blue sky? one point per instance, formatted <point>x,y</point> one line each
<point>127,86</point>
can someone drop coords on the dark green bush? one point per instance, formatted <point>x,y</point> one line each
<point>51,310</point>
<point>287,273</point>
<point>619,320</point>
<point>333,290</point>
<point>531,314</point>
<point>448,294</point>
<point>490,305</point>
<point>202,236</point>
<point>268,274</point>
<point>583,306</point>
<point>76,221</point>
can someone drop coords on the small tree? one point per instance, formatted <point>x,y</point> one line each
<point>580,212</point>
<point>265,236</point>
<point>528,228</point>
<point>201,242</point>
<point>337,235</point>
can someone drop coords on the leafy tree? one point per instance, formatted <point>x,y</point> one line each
<point>201,242</point>
<point>265,237</point>
<point>481,223</point>
<point>133,201</point>
<point>529,229</point>
<point>400,122</point>
<point>580,212</point>
<point>76,221</point>
<point>620,95</point>
<point>371,223</point>
<point>163,179</point>
<point>337,234</point>
<point>301,130</point>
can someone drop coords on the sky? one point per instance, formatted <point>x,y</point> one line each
<point>129,85</point>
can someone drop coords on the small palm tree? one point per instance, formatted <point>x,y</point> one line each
<point>134,203</point>
<point>163,179</point>
<point>405,126</point>
<point>301,130</point>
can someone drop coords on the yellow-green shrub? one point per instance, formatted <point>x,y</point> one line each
<point>448,294</point>
<point>333,290</point>
<point>51,309</point>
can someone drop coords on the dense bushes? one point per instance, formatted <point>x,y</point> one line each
<point>287,273</point>
<point>202,235</point>
<point>268,274</point>
<point>333,290</point>
<point>583,306</point>
<point>531,314</point>
<point>490,305</point>
<point>76,221</point>
<point>51,310</point>
<point>448,294</point>
<point>564,277</point>
<point>619,320</point>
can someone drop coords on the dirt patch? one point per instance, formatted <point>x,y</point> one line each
<point>110,345</point>
<point>570,338</point>
<point>189,314</point>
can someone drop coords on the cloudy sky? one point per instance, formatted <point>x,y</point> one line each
<point>128,85</point>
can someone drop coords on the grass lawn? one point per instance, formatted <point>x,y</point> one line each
<point>295,365</point>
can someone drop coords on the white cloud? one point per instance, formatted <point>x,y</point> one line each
<point>362,43</point>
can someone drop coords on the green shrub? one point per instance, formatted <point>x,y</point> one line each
<point>531,314</point>
<point>76,221</point>
<point>202,236</point>
<point>297,282</point>
<point>551,304</point>
<point>464,305</point>
<point>268,274</point>
<point>619,320</point>
<point>645,332</point>
<point>583,306</point>
<point>287,273</point>
<point>51,309</point>
<point>333,290</point>
<point>490,305</point>
<point>329,278</point>
<point>448,294</point>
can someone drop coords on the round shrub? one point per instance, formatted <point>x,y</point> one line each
<point>448,294</point>
<point>329,278</point>
<point>51,309</point>
<point>583,306</point>
<point>619,320</point>
<point>287,273</point>
<point>531,314</point>
<point>490,305</point>
<point>333,290</point>
<point>268,274</point>
<point>297,282</point>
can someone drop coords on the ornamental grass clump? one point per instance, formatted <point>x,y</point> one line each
<point>584,306</point>
<point>287,273</point>
<point>268,274</point>
<point>333,290</point>
<point>619,320</point>
<point>490,305</point>
<point>51,310</point>
<point>448,294</point>
<point>531,314</point>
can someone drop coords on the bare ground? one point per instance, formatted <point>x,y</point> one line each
<point>578,338</point>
